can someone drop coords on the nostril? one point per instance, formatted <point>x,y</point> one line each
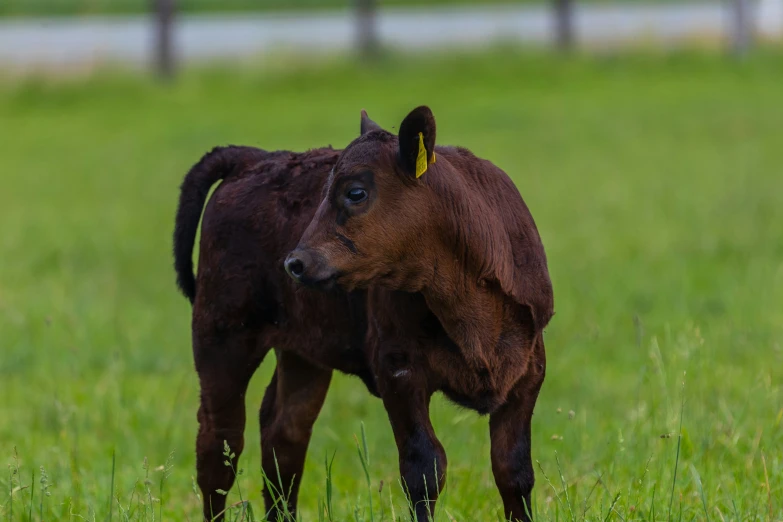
<point>295,267</point>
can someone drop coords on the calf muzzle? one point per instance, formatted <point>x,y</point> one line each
<point>309,268</point>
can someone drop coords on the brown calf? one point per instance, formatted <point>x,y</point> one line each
<point>466,295</point>
<point>458,293</point>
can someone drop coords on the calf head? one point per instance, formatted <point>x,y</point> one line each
<point>375,217</point>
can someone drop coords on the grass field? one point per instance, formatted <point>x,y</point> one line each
<point>657,186</point>
<point>92,7</point>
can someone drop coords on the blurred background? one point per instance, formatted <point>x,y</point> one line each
<point>64,33</point>
<point>644,135</point>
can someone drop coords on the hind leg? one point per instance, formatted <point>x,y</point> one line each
<point>291,405</point>
<point>225,363</point>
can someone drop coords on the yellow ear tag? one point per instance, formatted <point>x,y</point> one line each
<point>421,159</point>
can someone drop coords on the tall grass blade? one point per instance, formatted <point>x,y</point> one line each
<point>364,457</point>
<point>391,504</point>
<point>32,494</point>
<point>611,506</point>
<point>364,444</point>
<point>437,487</point>
<point>769,490</point>
<point>587,498</point>
<point>286,512</point>
<point>44,492</point>
<point>565,488</point>
<point>276,497</point>
<point>554,489</point>
<point>111,491</point>
<point>328,465</point>
<point>652,503</point>
<point>697,478</point>
<point>406,490</point>
<point>677,457</point>
<point>10,494</point>
<point>229,462</point>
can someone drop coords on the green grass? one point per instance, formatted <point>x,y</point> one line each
<point>657,187</point>
<point>92,7</point>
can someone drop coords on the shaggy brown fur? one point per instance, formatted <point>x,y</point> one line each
<point>458,297</point>
<point>244,304</point>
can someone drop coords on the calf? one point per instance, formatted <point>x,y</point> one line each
<point>461,298</point>
<point>244,304</point>
<point>458,293</point>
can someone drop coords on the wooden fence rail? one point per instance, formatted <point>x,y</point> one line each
<point>740,28</point>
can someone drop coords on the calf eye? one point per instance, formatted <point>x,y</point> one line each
<point>356,195</point>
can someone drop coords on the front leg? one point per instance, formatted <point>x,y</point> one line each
<point>406,397</point>
<point>509,429</point>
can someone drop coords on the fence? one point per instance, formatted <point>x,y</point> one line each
<point>566,24</point>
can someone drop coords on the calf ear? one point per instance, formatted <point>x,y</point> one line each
<point>417,141</point>
<point>367,124</point>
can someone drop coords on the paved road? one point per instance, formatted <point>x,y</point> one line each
<point>69,42</point>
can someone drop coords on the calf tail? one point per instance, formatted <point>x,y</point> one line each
<point>220,163</point>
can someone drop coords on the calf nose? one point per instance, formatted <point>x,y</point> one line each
<point>295,266</point>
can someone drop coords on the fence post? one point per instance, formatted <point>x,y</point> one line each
<point>366,30</point>
<point>164,46</point>
<point>564,24</point>
<point>741,26</point>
